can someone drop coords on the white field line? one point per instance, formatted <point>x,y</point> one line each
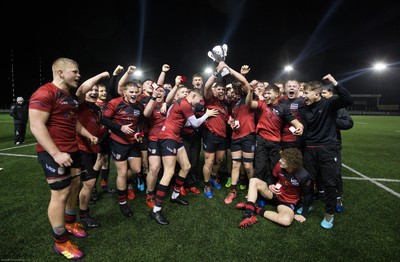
<point>21,155</point>
<point>375,179</point>
<point>361,123</point>
<point>372,181</point>
<point>363,177</point>
<point>14,147</point>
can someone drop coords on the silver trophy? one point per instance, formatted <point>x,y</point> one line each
<point>218,54</point>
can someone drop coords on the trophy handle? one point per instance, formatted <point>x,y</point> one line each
<point>225,48</point>
<point>210,55</point>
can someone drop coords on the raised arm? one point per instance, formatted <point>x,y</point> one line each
<point>112,88</point>
<point>148,110</point>
<point>249,98</point>
<point>240,77</point>
<point>244,70</point>
<point>170,97</point>
<point>88,84</point>
<point>344,97</point>
<point>207,87</point>
<point>161,78</point>
<point>125,78</point>
<point>211,80</point>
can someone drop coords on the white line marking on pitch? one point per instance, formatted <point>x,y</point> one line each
<point>6,154</point>
<point>14,147</point>
<point>375,179</point>
<point>372,181</point>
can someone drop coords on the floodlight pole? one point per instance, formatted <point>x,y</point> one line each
<point>12,76</point>
<point>40,71</point>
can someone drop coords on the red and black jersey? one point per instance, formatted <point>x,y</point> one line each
<point>294,185</point>
<point>63,108</point>
<point>272,119</point>
<point>187,130</point>
<point>144,99</point>
<point>295,106</point>
<point>89,114</point>
<point>217,124</point>
<point>245,116</point>
<point>124,113</point>
<point>198,112</point>
<point>155,122</point>
<point>102,105</point>
<point>178,114</point>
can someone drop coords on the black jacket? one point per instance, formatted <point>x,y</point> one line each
<point>19,113</point>
<point>319,118</point>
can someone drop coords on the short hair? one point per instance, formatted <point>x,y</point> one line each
<point>236,85</point>
<point>292,80</point>
<point>273,87</point>
<point>138,82</point>
<point>61,62</point>
<point>130,83</point>
<point>327,88</point>
<point>101,85</point>
<point>197,75</point>
<point>293,158</point>
<point>217,84</point>
<point>196,91</point>
<point>313,86</point>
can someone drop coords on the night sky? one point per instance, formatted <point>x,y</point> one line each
<point>343,38</point>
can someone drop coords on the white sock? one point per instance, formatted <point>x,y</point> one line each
<point>174,195</point>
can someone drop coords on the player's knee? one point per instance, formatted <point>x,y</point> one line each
<point>285,221</point>
<point>90,183</point>
<point>253,181</point>
<point>186,167</point>
<point>136,170</point>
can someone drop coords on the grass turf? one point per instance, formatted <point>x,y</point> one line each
<point>207,229</point>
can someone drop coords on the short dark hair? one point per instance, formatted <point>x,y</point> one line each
<point>196,91</point>
<point>130,83</point>
<point>327,88</point>
<point>313,86</point>
<point>272,87</point>
<point>197,75</point>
